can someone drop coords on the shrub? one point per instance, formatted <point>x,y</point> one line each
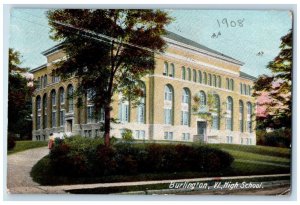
<point>11,141</point>
<point>84,157</point>
<point>127,135</point>
<point>276,138</point>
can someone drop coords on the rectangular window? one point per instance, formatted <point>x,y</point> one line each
<point>62,118</point>
<point>53,119</point>
<point>249,126</point>
<point>38,123</point>
<point>184,118</point>
<point>168,116</point>
<point>140,134</point>
<point>186,136</point>
<point>45,121</point>
<point>228,123</point>
<point>229,139</point>
<point>71,104</point>
<point>215,122</point>
<point>241,126</point>
<point>141,113</point>
<point>123,112</point>
<point>90,114</point>
<point>168,135</point>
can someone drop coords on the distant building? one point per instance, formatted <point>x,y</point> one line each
<point>185,70</point>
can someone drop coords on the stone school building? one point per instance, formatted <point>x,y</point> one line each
<point>194,94</point>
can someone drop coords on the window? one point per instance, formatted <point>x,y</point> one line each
<point>202,97</point>
<point>214,83</point>
<point>249,116</point>
<point>53,98</point>
<point>249,90</point>
<point>219,81</point>
<point>168,135</point>
<point>140,134</point>
<point>216,113</point>
<point>70,98</point>
<point>42,81</point>
<point>186,136</point>
<point>62,118</point>
<point>90,114</point>
<point>38,122</point>
<point>38,102</point>
<point>166,69</point>
<point>38,85</point>
<point>189,74</point>
<point>241,88</point>
<point>141,106</point>
<point>199,76</point>
<point>244,88</point>
<point>205,78</point>
<point>183,73</point>
<point>227,83</point>
<point>229,139</point>
<point>172,70</point>
<point>168,105</point>
<point>53,117</point>
<point>241,115</point>
<point>45,80</point>
<point>185,109</point>
<point>209,79</point>
<point>45,121</point>
<point>194,76</point>
<point>231,84</point>
<point>229,114</point>
<point>123,109</point>
<point>61,95</point>
<point>45,111</point>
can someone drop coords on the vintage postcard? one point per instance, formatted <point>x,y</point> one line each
<point>149,101</point>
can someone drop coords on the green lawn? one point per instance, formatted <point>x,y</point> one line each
<point>240,167</point>
<point>25,145</point>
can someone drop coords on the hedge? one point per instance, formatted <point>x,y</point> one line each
<point>84,157</point>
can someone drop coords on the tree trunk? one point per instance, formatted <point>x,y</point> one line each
<point>107,126</point>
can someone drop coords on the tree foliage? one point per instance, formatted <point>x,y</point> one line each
<point>108,50</point>
<point>19,97</point>
<point>278,86</point>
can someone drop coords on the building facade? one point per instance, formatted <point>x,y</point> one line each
<point>194,94</point>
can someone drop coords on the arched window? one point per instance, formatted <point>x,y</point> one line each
<point>45,105</point>
<point>38,113</point>
<point>42,81</point>
<point>70,98</point>
<point>229,114</point>
<point>199,76</point>
<point>241,115</point>
<point>227,84</point>
<point>214,83</point>
<point>249,116</point>
<point>53,97</point>
<point>166,69</point>
<point>53,113</point>
<point>205,78</point>
<point>209,79</point>
<point>231,84</point>
<point>189,74</point>
<point>183,73</point>
<point>185,107</point>
<point>216,112</point>
<point>202,97</point>
<point>194,76</point>
<point>123,109</point>
<point>172,70</point>
<point>141,112</point>
<point>168,104</point>
<point>219,82</point>
<point>61,95</point>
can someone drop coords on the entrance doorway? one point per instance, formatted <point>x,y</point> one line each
<point>69,125</point>
<point>201,130</point>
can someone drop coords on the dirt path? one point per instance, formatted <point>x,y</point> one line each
<point>19,166</point>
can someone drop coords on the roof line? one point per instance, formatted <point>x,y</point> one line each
<point>38,68</point>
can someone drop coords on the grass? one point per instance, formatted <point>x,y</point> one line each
<point>25,145</point>
<point>41,172</point>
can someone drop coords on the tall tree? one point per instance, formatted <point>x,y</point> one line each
<point>19,97</point>
<point>108,50</point>
<point>278,86</point>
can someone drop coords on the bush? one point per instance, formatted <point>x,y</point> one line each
<point>127,135</point>
<point>276,138</point>
<point>85,157</point>
<point>11,141</point>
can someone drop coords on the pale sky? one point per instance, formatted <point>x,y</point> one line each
<point>260,31</point>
